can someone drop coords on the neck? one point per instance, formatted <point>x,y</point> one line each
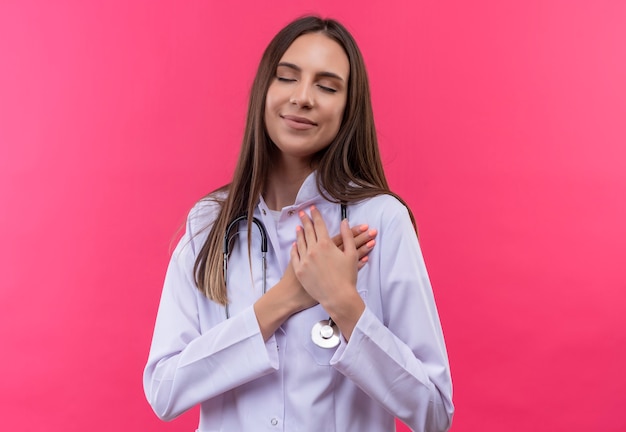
<point>283,184</point>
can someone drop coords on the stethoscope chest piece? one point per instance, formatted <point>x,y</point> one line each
<point>325,334</point>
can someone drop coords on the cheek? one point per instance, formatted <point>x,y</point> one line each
<point>338,117</point>
<point>275,94</point>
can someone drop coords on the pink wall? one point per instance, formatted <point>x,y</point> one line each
<point>502,123</point>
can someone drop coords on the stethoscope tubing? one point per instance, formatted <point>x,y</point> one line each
<point>226,250</point>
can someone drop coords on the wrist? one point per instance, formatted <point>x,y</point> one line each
<point>345,310</point>
<point>282,299</point>
<point>272,309</point>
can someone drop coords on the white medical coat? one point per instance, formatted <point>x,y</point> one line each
<point>395,364</point>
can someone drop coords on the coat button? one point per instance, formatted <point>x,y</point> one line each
<point>290,212</point>
<point>274,422</point>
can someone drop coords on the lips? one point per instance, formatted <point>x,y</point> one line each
<point>298,122</point>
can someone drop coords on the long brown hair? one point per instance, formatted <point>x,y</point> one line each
<point>348,170</point>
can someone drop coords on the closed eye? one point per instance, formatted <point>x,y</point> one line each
<point>285,79</point>
<point>327,89</point>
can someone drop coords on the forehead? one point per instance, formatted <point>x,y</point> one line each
<point>316,52</point>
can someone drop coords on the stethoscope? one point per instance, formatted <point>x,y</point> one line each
<point>324,333</point>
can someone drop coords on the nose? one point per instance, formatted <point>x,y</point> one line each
<point>302,96</point>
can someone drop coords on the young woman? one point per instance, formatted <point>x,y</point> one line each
<point>331,333</point>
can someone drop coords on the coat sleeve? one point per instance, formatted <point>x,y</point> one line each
<point>187,364</point>
<point>401,360</point>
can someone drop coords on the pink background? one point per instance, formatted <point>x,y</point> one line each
<point>502,123</point>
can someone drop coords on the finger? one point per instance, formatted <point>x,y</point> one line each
<point>365,237</point>
<point>319,224</point>
<point>357,231</point>
<point>362,262</point>
<point>309,230</point>
<point>365,249</point>
<point>295,256</point>
<point>300,243</point>
<point>349,248</point>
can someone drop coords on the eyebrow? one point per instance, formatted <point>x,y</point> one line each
<point>299,69</point>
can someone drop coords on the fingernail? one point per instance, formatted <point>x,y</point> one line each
<point>298,228</point>
<point>370,244</point>
<point>301,213</point>
<point>312,207</point>
<point>364,259</point>
<point>363,227</point>
<point>372,233</point>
